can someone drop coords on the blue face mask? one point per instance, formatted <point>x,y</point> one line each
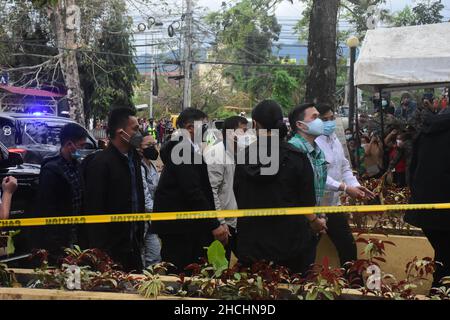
<point>329,127</point>
<point>76,155</point>
<point>315,128</point>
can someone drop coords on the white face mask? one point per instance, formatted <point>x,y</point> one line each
<point>244,140</point>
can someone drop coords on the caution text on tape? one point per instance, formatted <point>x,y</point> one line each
<point>241,213</point>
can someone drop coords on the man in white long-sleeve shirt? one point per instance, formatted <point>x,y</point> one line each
<point>220,159</point>
<point>340,178</point>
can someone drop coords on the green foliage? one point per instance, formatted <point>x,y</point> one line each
<point>302,26</point>
<point>284,86</point>
<point>323,282</point>
<point>152,286</point>
<point>428,13</point>
<point>108,80</point>
<point>245,33</point>
<point>246,28</point>
<point>405,17</point>
<point>26,33</point>
<point>7,277</point>
<point>216,257</point>
<point>222,113</point>
<point>357,12</point>
<point>10,248</point>
<point>422,13</point>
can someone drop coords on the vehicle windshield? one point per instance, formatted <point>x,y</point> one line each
<point>7,132</point>
<point>40,132</point>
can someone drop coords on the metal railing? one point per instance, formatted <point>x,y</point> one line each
<point>99,133</point>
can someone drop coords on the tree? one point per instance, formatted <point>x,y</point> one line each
<point>428,13</point>
<point>406,17</point>
<point>422,13</point>
<point>360,12</point>
<point>322,70</point>
<point>245,33</point>
<point>25,52</point>
<point>56,45</point>
<point>65,18</point>
<point>108,79</point>
<point>284,86</point>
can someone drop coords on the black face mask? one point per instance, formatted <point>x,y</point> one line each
<point>150,153</point>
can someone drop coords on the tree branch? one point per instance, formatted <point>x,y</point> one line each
<point>38,66</point>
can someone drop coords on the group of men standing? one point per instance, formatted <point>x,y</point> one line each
<point>123,179</point>
<point>230,174</point>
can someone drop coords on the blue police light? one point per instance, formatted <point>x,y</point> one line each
<point>37,114</point>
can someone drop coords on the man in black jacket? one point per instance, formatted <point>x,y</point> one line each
<point>114,185</point>
<point>430,183</point>
<point>287,241</point>
<point>184,186</point>
<point>61,192</point>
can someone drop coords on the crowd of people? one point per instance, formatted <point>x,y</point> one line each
<point>373,155</point>
<point>414,152</point>
<point>232,173</point>
<point>159,130</point>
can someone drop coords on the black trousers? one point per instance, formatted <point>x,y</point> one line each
<point>298,264</point>
<point>341,235</point>
<point>183,249</point>
<point>440,242</point>
<point>400,179</point>
<point>302,263</point>
<point>231,246</point>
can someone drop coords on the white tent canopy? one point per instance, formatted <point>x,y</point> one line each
<point>405,57</point>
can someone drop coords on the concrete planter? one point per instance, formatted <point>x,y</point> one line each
<point>24,275</point>
<point>405,249</point>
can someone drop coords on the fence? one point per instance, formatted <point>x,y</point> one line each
<point>99,133</point>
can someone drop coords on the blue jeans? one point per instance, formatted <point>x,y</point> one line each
<point>152,248</point>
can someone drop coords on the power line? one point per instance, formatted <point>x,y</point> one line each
<point>69,49</point>
<point>256,64</point>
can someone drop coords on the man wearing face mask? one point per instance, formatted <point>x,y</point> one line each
<point>61,192</point>
<point>150,175</point>
<point>220,159</point>
<point>184,186</point>
<point>407,109</point>
<point>340,178</point>
<point>306,123</point>
<point>114,185</point>
<point>348,134</point>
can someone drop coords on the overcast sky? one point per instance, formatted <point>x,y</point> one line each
<point>286,9</point>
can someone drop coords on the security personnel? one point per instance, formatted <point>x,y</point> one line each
<point>151,129</point>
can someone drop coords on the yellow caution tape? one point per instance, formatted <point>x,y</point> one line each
<point>241,213</point>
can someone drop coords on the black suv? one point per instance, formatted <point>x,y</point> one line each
<point>36,137</point>
<point>30,139</point>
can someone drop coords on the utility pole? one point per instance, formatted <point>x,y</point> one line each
<point>150,102</point>
<point>187,56</point>
<point>352,43</point>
